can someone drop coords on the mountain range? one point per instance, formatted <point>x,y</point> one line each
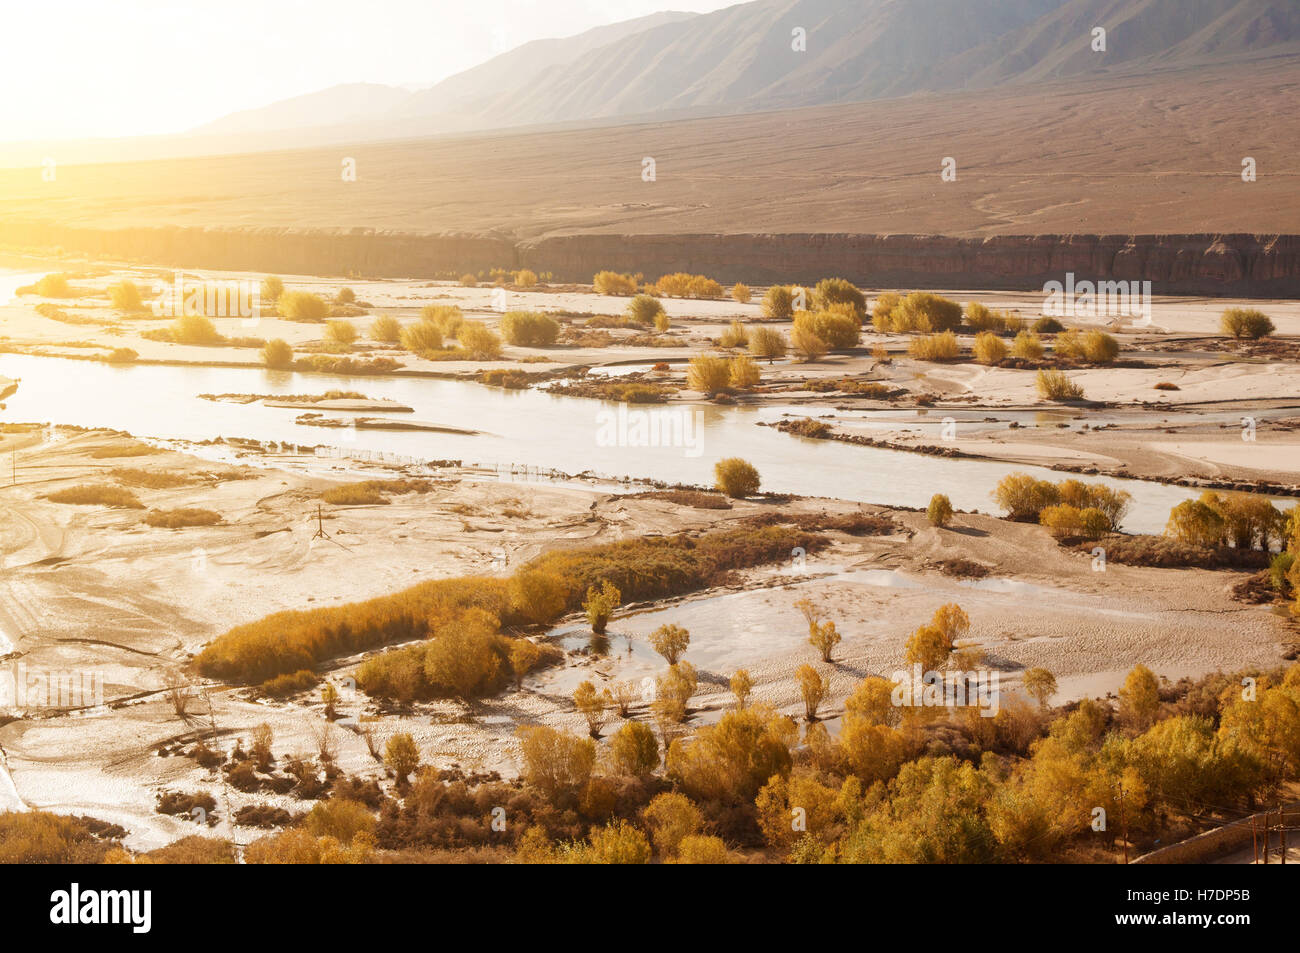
<point>778,54</point>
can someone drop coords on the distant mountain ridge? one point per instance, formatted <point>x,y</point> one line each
<point>744,58</point>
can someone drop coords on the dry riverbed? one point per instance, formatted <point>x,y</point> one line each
<point>92,589</point>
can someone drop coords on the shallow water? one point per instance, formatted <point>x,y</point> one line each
<point>521,428</point>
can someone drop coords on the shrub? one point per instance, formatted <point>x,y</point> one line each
<point>121,355</point>
<point>732,759</point>
<point>1113,504</point>
<point>447,318</point>
<point>934,347</point>
<point>525,278</point>
<point>744,373</point>
<point>479,341</point>
<point>1023,497</point>
<point>1195,523</point>
<point>883,309</point>
<point>277,354</point>
<point>662,322</point>
<point>194,329</point>
<point>272,288</point>
<point>125,296</point>
<point>1099,347</point>
<point>708,375</point>
<point>767,344</point>
<point>613,283</point>
<point>600,605</point>
<point>840,291</point>
<point>54,286</point>
<point>989,348</point>
<point>939,512</point>
<point>644,309</point>
<point>1027,347</point>
<point>682,285</point>
<point>778,303</point>
<point>1047,325</point>
<point>421,337</point>
<point>386,328</point>
<point>282,686</point>
<point>88,494</point>
<point>529,328</point>
<point>1246,323</point>
<point>537,597</point>
<point>736,477</point>
<point>177,518</point>
<point>341,333</point>
<point>734,336</point>
<point>303,306</point>
<point>740,292</point>
<point>924,312</point>
<point>981,317</point>
<point>557,763</point>
<point>1067,521</point>
<point>634,750</point>
<point>1055,385</point>
<point>839,329</point>
<point>35,837</point>
<point>805,339</point>
<point>467,280</point>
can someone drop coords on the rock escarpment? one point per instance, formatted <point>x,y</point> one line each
<point>1239,265</point>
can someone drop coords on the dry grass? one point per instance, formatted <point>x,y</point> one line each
<point>89,494</point>
<point>181,517</point>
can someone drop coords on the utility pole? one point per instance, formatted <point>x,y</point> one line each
<point>320,525</point>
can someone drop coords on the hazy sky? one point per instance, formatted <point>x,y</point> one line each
<point>89,68</point>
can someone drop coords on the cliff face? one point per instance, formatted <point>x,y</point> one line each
<point>1237,265</point>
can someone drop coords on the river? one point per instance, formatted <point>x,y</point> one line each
<point>521,428</point>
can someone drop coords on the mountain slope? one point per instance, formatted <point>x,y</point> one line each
<point>350,102</point>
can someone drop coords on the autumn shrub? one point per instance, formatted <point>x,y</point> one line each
<point>37,837</point>
<point>734,336</point>
<point>708,375</point>
<point>421,337</point>
<point>1027,347</point>
<point>302,306</point>
<point>181,517</point>
<point>1024,497</point>
<point>125,296</point>
<point>529,328</point>
<point>939,512</point>
<point>736,477</point>
<point>1245,323</point>
<point>744,374</point>
<point>340,333</point>
<point>1099,347</point>
<point>54,286</point>
<point>767,344</point>
<point>921,312</point>
<point>613,283</point>
<point>805,340</point>
<point>121,355</point>
<point>644,309</point>
<point>1055,385</point>
<point>740,292</point>
<point>934,347</point>
<point>989,348</point>
<point>479,341</point>
<point>89,494</point>
<point>778,303</point>
<point>447,318</point>
<point>840,293</point>
<point>386,329</point>
<point>277,354</point>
